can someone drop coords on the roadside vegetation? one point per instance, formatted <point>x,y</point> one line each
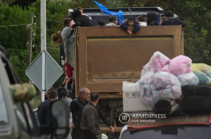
<point>15,25</point>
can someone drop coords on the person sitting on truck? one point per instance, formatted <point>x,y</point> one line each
<point>76,107</point>
<point>170,20</point>
<point>152,19</point>
<point>128,24</point>
<point>81,19</point>
<point>82,12</point>
<point>100,23</point>
<point>142,20</point>
<point>112,21</point>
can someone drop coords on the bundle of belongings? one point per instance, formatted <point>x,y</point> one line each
<point>167,85</point>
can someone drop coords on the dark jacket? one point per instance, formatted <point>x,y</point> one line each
<point>76,107</point>
<point>152,19</point>
<point>89,119</point>
<point>101,116</point>
<point>44,115</point>
<point>174,21</point>
<point>83,21</point>
<point>44,112</point>
<point>136,27</point>
<point>153,23</point>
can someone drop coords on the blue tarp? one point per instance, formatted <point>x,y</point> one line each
<point>119,14</point>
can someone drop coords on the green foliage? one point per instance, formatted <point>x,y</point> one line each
<point>14,36</point>
<point>195,13</point>
<point>15,33</point>
<point>113,4</point>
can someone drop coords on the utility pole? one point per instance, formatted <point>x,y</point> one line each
<point>30,38</point>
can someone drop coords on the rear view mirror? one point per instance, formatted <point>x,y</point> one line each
<point>60,116</point>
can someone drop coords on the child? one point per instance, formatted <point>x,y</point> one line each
<point>112,21</point>
<point>142,20</point>
<point>130,23</point>
<point>68,71</point>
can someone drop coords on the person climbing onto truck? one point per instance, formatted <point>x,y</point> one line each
<point>68,71</point>
<point>128,24</point>
<point>64,36</point>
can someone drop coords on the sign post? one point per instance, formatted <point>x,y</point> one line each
<point>43,43</point>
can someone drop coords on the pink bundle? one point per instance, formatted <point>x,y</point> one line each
<point>180,65</point>
<point>158,61</point>
<point>177,66</point>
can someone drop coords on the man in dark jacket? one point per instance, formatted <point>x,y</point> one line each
<point>89,119</point>
<point>77,106</point>
<point>44,111</point>
<point>170,20</point>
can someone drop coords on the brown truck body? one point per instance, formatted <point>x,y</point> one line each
<point>106,56</point>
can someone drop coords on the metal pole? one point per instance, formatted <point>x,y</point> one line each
<point>43,77</point>
<point>43,44</point>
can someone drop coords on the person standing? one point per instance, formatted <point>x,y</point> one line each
<point>62,94</point>
<point>89,118</point>
<point>76,107</point>
<point>44,111</point>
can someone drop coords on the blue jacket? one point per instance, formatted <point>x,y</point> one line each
<point>136,27</point>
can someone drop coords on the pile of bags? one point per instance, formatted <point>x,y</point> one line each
<point>167,85</point>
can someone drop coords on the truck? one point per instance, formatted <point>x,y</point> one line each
<point>106,56</point>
